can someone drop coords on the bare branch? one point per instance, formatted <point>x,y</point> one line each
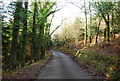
<point>52,17</point>
<point>57,26</point>
<point>55,11</point>
<point>77,6</point>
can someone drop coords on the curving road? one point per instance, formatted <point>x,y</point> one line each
<point>63,67</point>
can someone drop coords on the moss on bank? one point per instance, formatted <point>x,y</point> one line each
<point>104,66</point>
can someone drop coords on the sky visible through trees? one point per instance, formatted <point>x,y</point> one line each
<point>67,11</point>
<point>31,28</point>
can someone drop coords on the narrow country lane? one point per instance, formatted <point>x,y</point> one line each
<point>63,67</point>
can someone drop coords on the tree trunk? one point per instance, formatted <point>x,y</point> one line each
<point>105,34</point>
<point>42,48</point>
<point>96,39</point>
<point>85,37</point>
<point>90,38</point>
<point>24,35</point>
<point>113,29</point>
<point>16,27</point>
<point>33,42</point>
<point>107,23</point>
<point>108,29</point>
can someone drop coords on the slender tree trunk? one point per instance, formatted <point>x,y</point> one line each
<point>112,25</point>
<point>105,34</point>
<point>90,38</point>
<point>24,35</point>
<point>96,39</point>
<point>33,43</point>
<point>107,23</point>
<point>36,53</point>
<point>16,27</point>
<point>108,29</point>
<point>85,35</point>
<point>42,48</point>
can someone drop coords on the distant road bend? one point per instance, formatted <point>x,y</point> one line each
<point>63,67</point>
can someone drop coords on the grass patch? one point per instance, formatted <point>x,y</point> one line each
<point>105,65</point>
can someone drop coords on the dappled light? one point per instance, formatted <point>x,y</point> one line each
<point>53,39</point>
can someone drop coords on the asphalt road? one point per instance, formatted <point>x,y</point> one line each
<point>63,67</point>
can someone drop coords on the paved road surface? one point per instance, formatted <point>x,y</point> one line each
<point>63,67</point>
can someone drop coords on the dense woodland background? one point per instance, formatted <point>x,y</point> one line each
<point>26,37</point>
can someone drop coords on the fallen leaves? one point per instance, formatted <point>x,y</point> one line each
<point>28,72</point>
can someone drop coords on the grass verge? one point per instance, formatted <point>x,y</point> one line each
<point>99,65</point>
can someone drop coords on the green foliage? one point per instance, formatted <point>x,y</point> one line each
<point>6,41</point>
<point>70,32</point>
<point>26,39</point>
<point>103,7</point>
<point>107,11</point>
<point>105,65</point>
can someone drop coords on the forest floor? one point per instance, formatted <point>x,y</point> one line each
<point>30,71</point>
<point>101,60</point>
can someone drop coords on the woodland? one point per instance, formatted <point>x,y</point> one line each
<point>93,41</point>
